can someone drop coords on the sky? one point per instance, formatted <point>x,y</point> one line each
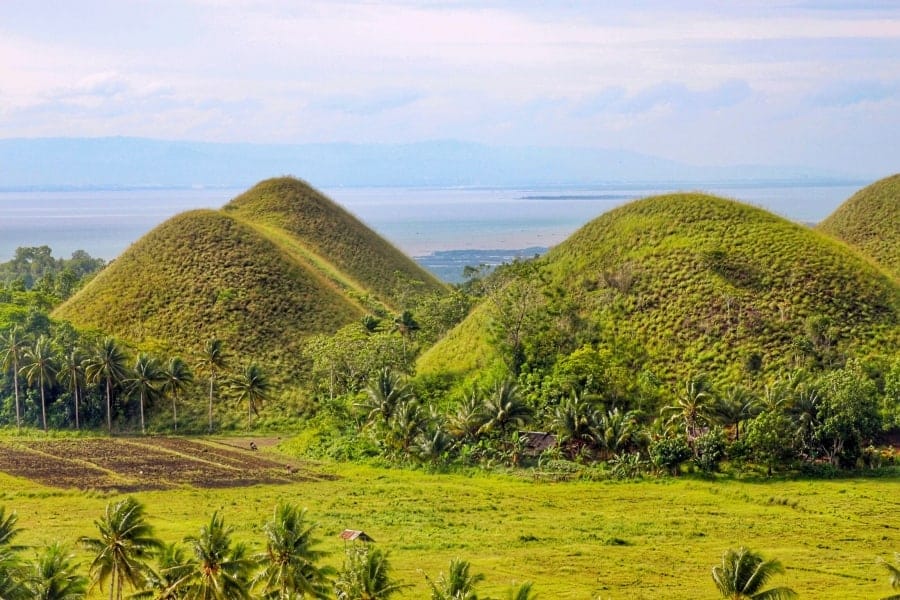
<point>699,81</point>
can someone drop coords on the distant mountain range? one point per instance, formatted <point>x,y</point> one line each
<point>122,162</point>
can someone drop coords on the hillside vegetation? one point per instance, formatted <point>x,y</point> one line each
<point>681,284</point>
<point>277,265</point>
<point>870,221</point>
<point>335,240</point>
<point>202,275</point>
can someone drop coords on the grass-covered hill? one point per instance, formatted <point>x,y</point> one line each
<point>261,289</point>
<point>870,221</point>
<point>334,239</point>
<point>686,283</point>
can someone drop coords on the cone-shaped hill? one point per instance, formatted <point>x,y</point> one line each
<point>259,289</point>
<point>682,284</point>
<point>870,221</point>
<point>290,207</point>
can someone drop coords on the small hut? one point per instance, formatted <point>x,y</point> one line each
<point>350,535</point>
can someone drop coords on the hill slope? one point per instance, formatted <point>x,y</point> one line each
<point>203,274</point>
<point>685,283</point>
<point>870,221</point>
<point>335,240</point>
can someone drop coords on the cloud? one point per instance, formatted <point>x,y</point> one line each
<point>368,104</point>
<point>849,93</point>
<point>667,95</point>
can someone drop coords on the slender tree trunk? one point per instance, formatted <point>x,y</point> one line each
<point>175,409</point>
<point>212,379</point>
<point>77,425</point>
<point>142,413</point>
<point>16,389</point>
<point>43,407</point>
<point>249,414</point>
<point>109,404</point>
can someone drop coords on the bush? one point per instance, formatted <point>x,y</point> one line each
<point>669,452</point>
<point>709,450</point>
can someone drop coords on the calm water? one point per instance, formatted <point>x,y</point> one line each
<point>418,221</point>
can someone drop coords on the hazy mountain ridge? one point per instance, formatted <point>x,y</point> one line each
<point>121,162</point>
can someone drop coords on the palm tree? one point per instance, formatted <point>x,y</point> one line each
<point>458,584</point>
<point>894,575</point>
<point>505,408</point>
<point>55,576</point>
<point>289,567</point>
<point>522,591</point>
<point>743,573</point>
<point>145,381</point>
<point>40,366</point>
<point>12,585</point>
<point>253,386</point>
<point>176,377</point>
<point>690,408</point>
<point>735,407</point>
<point>468,418</point>
<point>616,431</point>
<point>219,570</point>
<point>213,361</point>
<point>366,575</point>
<point>71,372</point>
<point>384,395</point>
<point>126,540</point>
<point>161,583</point>
<point>8,529</point>
<point>574,420</point>
<point>12,346</point>
<point>107,366</point>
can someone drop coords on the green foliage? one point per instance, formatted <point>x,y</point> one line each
<point>709,449</point>
<point>870,221</point>
<point>743,574</point>
<point>457,584</point>
<point>771,438</point>
<point>681,284</point>
<point>366,575</point>
<point>669,452</point>
<point>366,258</point>
<point>35,268</point>
<point>847,414</point>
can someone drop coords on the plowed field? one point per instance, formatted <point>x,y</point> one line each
<point>142,464</point>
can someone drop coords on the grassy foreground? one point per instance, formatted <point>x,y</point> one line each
<point>584,540</point>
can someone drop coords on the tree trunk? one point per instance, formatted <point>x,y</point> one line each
<point>109,405</point>
<point>16,388</point>
<point>77,426</point>
<point>43,407</point>
<point>142,413</point>
<point>212,378</point>
<point>175,409</point>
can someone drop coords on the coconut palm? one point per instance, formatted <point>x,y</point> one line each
<point>468,418</point>
<point>743,573</point>
<point>219,570</point>
<point>616,431</point>
<point>12,346</point>
<point>8,529</point>
<point>213,361</point>
<point>71,373</point>
<point>366,575</point>
<point>107,366</point>
<point>457,584</point>
<point>12,585</point>
<point>126,541</point>
<point>384,395</point>
<point>55,576</point>
<point>176,377</point>
<point>690,408</point>
<point>251,385</point>
<point>39,365</point>
<point>505,408</point>
<point>161,583</point>
<point>522,591</point>
<point>574,421</point>
<point>146,380</point>
<point>289,568</point>
<point>732,409</point>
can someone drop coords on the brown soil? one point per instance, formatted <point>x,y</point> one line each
<point>151,463</point>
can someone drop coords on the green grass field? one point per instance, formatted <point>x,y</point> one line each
<point>585,540</point>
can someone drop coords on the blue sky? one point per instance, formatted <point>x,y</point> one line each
<point>703,82</point>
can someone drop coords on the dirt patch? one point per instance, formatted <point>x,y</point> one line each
<point>142,464</point>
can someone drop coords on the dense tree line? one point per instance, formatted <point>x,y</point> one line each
<point>36,268</point>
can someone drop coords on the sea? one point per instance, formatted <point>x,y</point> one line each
<point>442,228</point>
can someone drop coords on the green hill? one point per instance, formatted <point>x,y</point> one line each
<point>337,242</point>
<point>236,275</point>
<point>870,221</point>
<point>681,284</point>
